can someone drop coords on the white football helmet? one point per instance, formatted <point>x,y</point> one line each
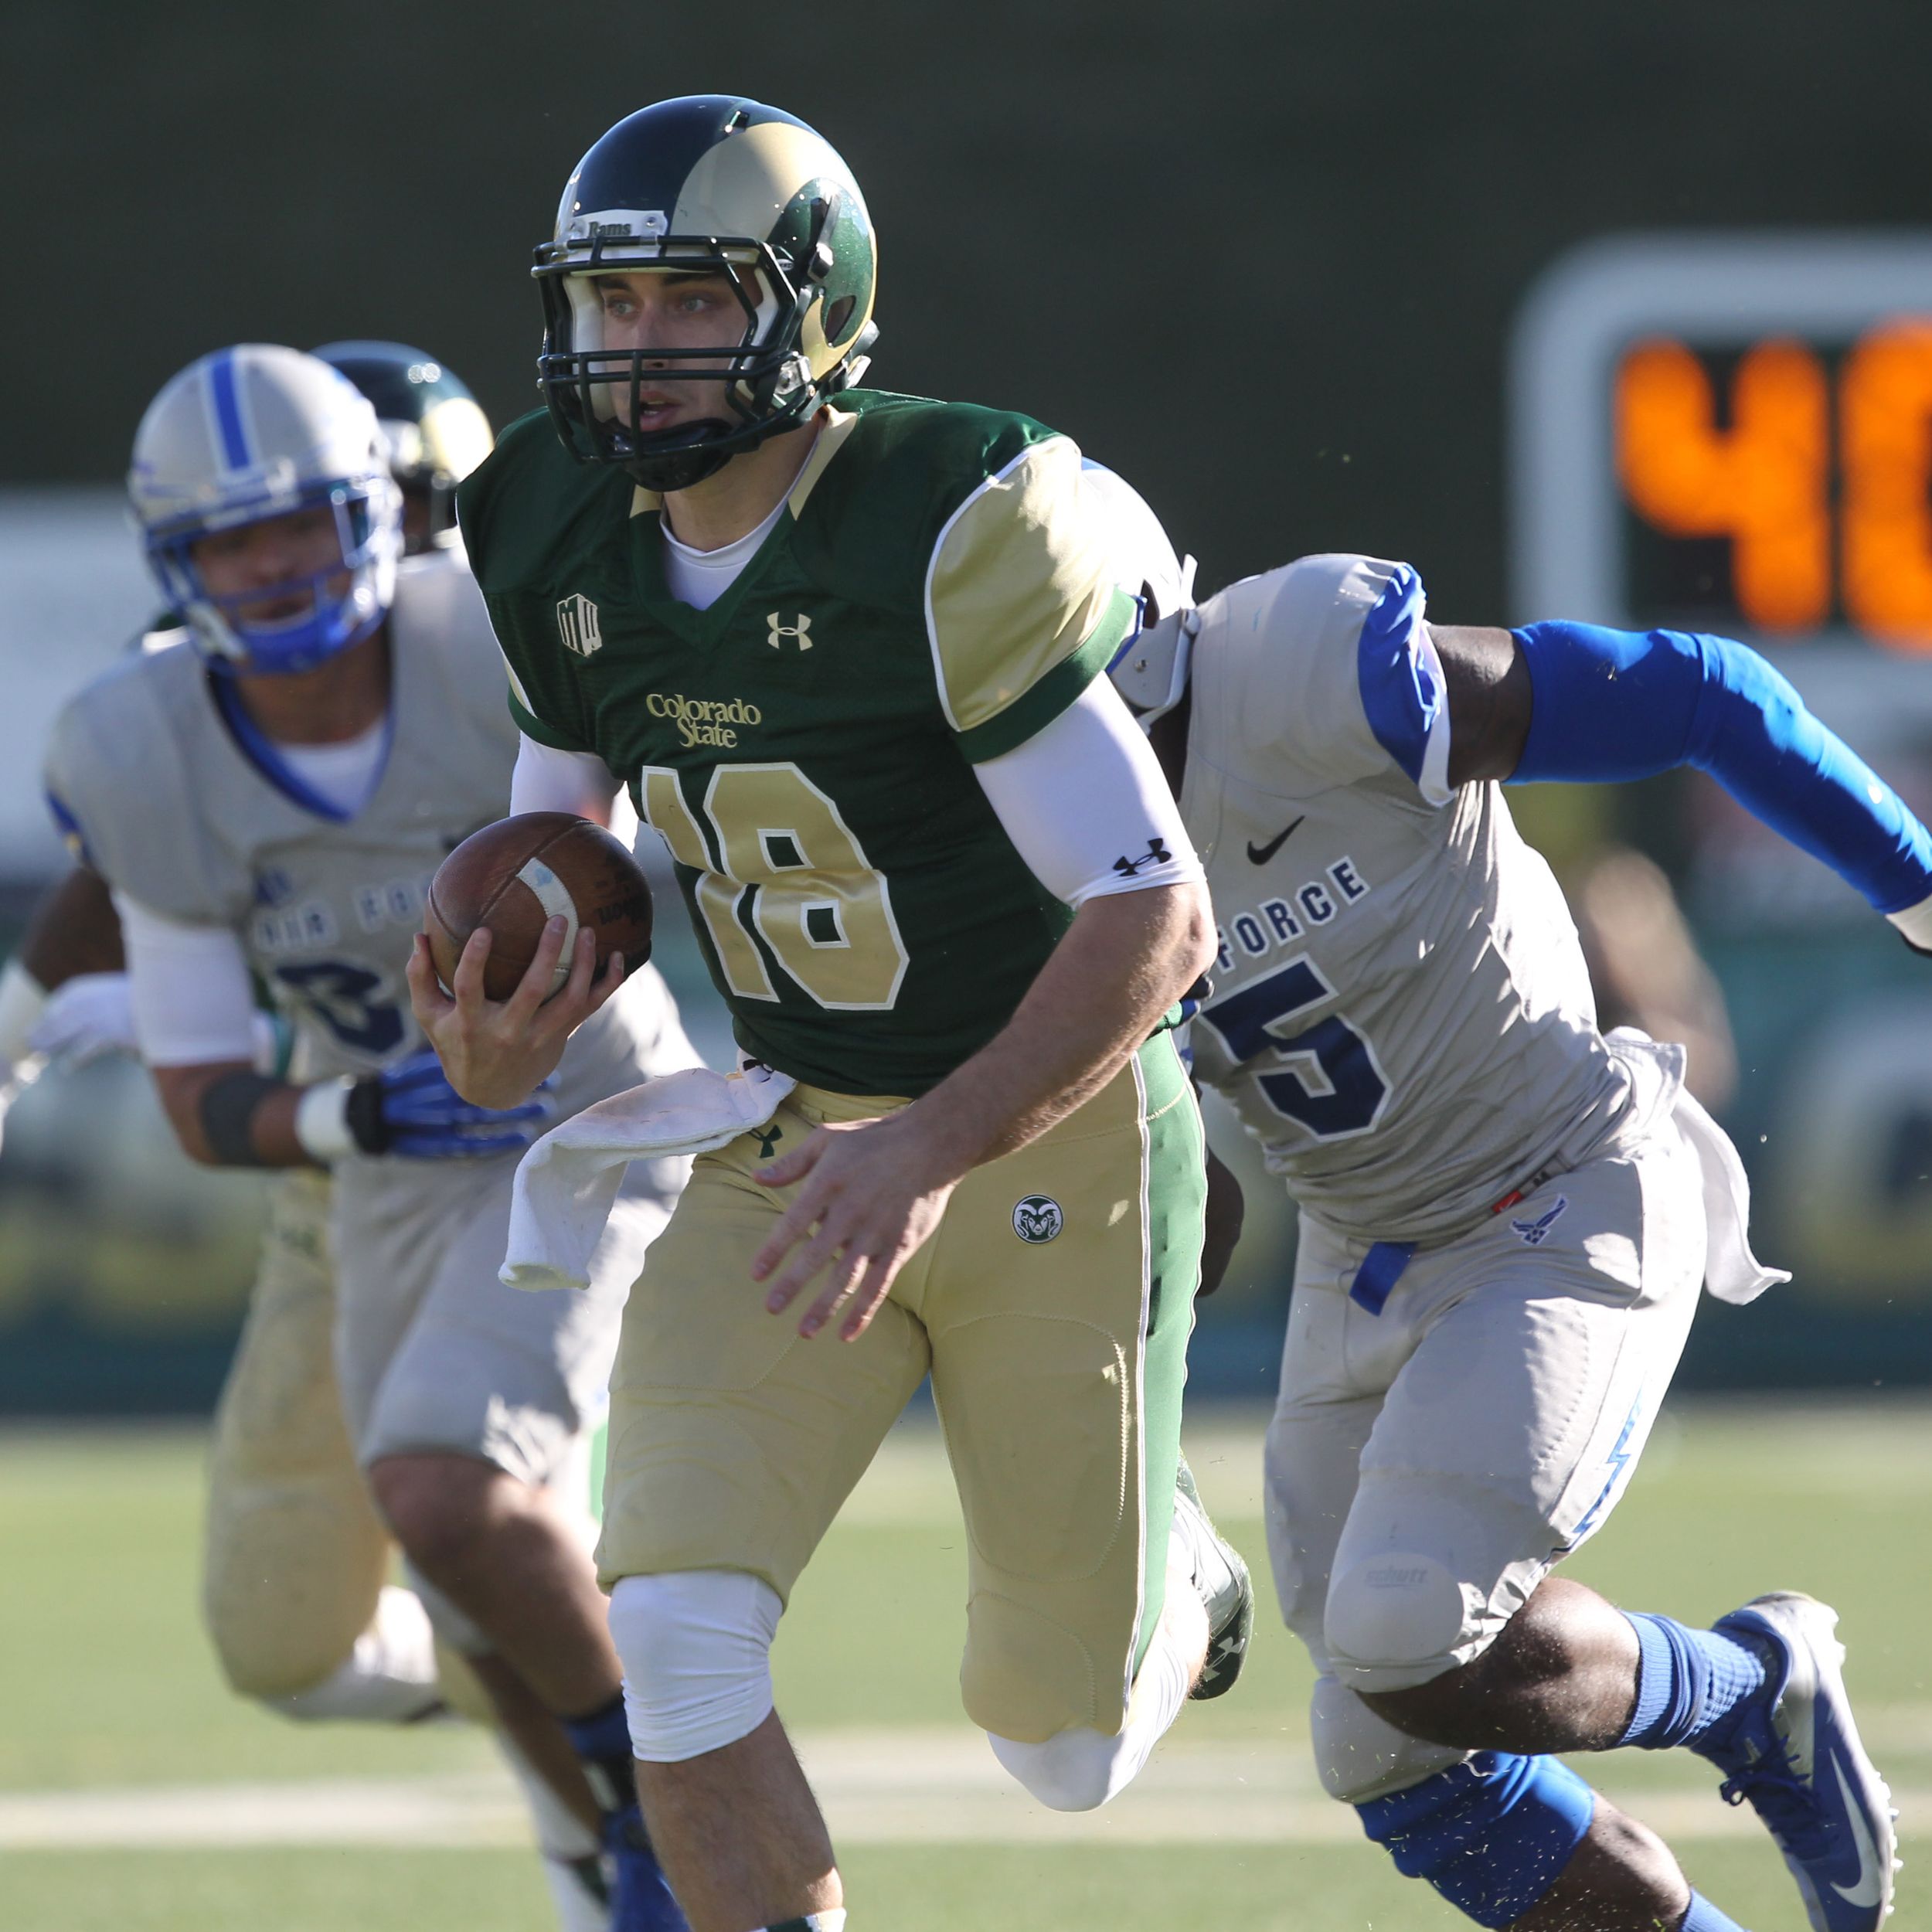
<point>254,432</point>
<point>1149,668</point>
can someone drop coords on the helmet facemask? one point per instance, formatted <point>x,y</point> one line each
<point>594,392</point>
<point>240,438</point>
<point>367,514</point>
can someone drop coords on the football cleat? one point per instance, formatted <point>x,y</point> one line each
<point>1793,1753</point>
<point>1220,1576</point>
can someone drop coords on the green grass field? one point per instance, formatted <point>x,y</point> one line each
<point>137,1796</point>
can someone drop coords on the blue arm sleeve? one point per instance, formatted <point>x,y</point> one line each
<point>1610,705</point>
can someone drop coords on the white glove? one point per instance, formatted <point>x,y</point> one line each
<point>86,1017</point>
<point>22,1001</point>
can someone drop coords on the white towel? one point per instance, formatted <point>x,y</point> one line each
<point>1732,1273</point>
<point>567,1183</point>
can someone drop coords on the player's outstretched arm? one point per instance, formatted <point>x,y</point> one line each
<point>1577,702</point>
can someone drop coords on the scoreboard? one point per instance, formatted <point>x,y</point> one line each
<point>1733,433</point>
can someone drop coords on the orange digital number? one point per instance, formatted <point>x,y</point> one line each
<point>1885,415</point>
<point>1761,482</point>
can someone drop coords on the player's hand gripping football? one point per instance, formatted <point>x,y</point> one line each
<point>874,1192</point>
<point>497,1053</point>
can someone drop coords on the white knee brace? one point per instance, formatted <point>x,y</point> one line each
<point>696,1650</point>
<point>1359,1755</point>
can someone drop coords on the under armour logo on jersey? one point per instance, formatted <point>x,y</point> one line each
<point>768,1138</point>
<point>1534,1233</point>
<point>1157,854</point>
<point>577,625</point>
<point>799,631</point>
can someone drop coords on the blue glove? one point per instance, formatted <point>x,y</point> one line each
<point>411,1109</point>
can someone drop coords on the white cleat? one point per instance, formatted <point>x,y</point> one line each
<point>1794,1754</point>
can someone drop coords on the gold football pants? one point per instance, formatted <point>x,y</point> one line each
<point>1052,1309</point>
<point>295,1555</point>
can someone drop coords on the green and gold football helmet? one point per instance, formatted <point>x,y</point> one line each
<point>708,180</point>
<point>435,429</point>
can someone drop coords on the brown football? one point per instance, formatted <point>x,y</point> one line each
<point>516,875</point>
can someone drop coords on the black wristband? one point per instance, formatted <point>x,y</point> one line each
<point>363,1116</point>
<point>227,1112</point>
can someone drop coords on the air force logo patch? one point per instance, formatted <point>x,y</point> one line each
<point>1534,1233</point>
<point>1038,1218</point>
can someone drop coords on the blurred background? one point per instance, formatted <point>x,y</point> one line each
<point>1615,312</point>
<point>1619,313</point>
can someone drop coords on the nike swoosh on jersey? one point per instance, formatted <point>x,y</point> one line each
<point>1871,1878</point>
<point>1260,854</point>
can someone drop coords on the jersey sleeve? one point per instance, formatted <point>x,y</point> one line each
<point>505,509</point>
<point>546,702</point>
<point>1325,669</point>
<point>1023,608</point>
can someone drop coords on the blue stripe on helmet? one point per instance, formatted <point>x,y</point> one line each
<point>234,439</point>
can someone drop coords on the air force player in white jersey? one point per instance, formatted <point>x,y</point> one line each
<point>273,803</point>
<point>1506,1219</point>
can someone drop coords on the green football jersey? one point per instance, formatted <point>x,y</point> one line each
<point>940,587</point>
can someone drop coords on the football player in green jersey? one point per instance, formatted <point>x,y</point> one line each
<point>844,647</point>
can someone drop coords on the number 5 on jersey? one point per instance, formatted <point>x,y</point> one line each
<point>779,852</point>
<point>1329,1082</point>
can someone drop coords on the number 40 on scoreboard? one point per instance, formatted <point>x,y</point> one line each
<point>1730,433</point>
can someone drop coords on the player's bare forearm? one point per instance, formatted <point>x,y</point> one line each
<point>1123,961</point>
<point>874,1190</point>
<point>270,1120</point>
<point>74,929</point>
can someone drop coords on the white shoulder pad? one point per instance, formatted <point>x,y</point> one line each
<point>1321,673</point>
<point>120,775</point>
<point>440,612</point>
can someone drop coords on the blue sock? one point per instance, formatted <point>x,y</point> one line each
<point>1689,1683</point>
<point>1704,1917</point>
<point>602,1741</point>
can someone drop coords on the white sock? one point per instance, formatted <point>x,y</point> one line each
<point>389,1678</point>
<point>565,1840</point>
<point>578,1908</point>
<point>1080,1769</point>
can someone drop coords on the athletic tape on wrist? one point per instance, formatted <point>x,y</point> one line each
<point>1915,922</point>
<point>321,1122</point>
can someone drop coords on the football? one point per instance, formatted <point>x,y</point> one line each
<point>515,876</point>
